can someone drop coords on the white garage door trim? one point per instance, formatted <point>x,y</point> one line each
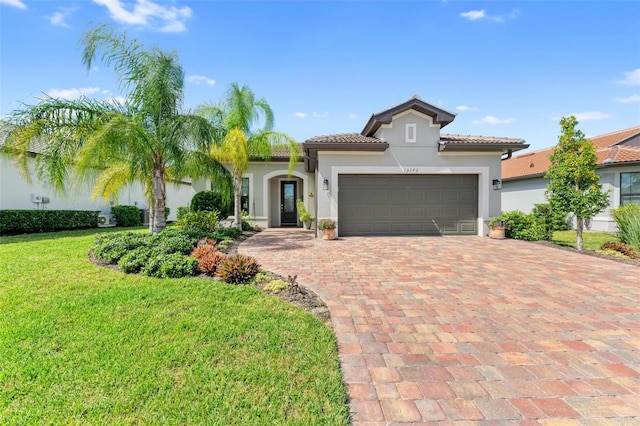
<point>482,172</point>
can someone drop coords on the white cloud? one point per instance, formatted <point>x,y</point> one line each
<point>466,108</point>
<point>473,15</point>
<point>301,114</point>
<point>201,79</point>
<point>147,13</point>
<point>629,99</point>
<point>591,115</point>
<point>352,116</point>
<point>74,93</point>
<point>58,18</point>
<point>116,100</point>
<point>14,3</point>
<point>631,78</point>
<point>490,119</point>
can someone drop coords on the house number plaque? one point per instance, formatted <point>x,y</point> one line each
<point>410,169</point>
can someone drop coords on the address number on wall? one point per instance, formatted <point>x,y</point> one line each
<point>410,170</point>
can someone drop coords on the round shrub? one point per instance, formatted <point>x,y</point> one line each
<point>202,222</point>
<point>237,269</point>
<point>212,201</point>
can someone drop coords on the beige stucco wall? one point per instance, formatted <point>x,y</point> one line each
<point>421,157</point>
<point>264,190</point>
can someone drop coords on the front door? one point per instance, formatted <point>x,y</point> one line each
<point>288,197</point>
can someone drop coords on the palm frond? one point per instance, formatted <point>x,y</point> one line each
<point>111,181</point>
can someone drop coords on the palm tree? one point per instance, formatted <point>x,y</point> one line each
<point>111,144</point>
<point>236,118</point>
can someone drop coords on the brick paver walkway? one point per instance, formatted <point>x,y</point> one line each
<point>472,329</point>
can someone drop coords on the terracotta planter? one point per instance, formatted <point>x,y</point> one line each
<point>496,232</point>
<point>329,234</point>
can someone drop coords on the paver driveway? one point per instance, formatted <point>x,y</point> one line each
<point>472,329</point>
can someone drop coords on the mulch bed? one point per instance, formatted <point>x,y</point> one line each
<point>628,261</point>
<point>296,294</point>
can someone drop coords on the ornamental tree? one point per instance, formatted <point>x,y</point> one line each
<point>573,182</point>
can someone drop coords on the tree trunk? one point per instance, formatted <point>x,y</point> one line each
<point>579,228</point>
<point>158,189</point>
<point>237,192</point>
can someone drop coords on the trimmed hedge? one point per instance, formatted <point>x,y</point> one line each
<point>127,215</point>
<point>34,221</point>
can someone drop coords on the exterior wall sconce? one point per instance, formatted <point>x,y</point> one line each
<point>325,184</point>
<point>497,184</point>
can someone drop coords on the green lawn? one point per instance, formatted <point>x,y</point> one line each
<point>591,240</point>
<point>81,344</point>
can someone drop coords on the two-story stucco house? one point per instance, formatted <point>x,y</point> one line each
<point>618,165</point>
<point>399,176</point>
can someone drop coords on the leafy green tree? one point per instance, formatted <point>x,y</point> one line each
<point>241,137</point>
<point>111,144</point>
<point>573,182</point>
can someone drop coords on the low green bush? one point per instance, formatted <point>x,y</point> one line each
<point>182,210</point>
<point>176,265</point>
<point>33,221</point>
<point>237,269</point>
<point>113,246</point>
<point>173,265</point>
<point>522,226</point>
<point>126,215</point>
<point>548,220</point>
<point>134,261</point>
<point>627,218</point>
<point>203,222</point>
<point>276,286</point>
<point>173,241</point>
<point>231,232</point>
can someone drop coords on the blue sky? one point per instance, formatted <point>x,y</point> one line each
<point>506,68</point>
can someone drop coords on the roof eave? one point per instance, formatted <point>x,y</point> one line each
<point>482,147</point>
<point>337,146</point>
<point>439,115</point>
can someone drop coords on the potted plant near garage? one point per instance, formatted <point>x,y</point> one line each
<point>497,228</point>
<point>305,217</point>
<point>328,228</point>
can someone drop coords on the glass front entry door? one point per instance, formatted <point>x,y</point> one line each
<point>288,197</point>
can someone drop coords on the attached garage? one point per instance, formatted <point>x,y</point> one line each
<point>407,204</point>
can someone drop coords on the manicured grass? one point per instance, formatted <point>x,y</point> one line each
<point>82,344</point>
<point>591,240</point>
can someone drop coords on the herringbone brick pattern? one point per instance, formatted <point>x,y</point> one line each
<point>473,330</point>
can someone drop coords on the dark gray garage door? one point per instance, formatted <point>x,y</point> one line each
<point>407,204</point>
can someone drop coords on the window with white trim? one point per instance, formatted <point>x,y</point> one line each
<point>630,188</point>
<point>410,132</point>
<point>244,195</point>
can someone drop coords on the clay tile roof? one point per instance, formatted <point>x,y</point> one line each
<point>614,138</point>
<point>608,151</point>
<point>470,139</point>
<point>346,138</point>
<point>282,151</point>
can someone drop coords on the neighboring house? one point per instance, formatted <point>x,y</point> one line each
<point>399,176</point>
<point>618,165</point>
<point>17,194</point>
